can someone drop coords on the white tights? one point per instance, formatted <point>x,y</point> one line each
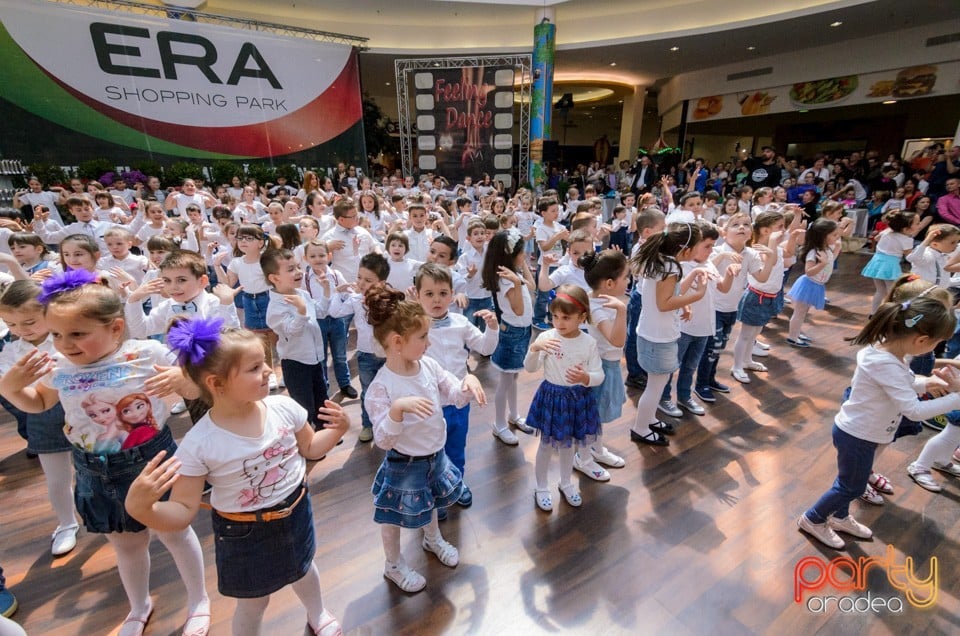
<point>505,400</point>
<point>647,405</point>
<point>133,562</point>
<point>248,618</point>
<point>58,472</point>
<point>744,345</point>
<point>940,447</point>
<point>796,320</point>
<point>542,464</point>
<point>880,290</point>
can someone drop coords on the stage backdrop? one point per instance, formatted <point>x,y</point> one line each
<point>77,83</point>
<point>464,119</point>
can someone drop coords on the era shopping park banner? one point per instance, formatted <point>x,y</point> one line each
<point>849,90</point>
<point>465,122</point>
<point>178,88</point>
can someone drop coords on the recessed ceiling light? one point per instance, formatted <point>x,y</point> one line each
<point>674,48</point>
<point>751,48</point>
<point>388,83</point>
<point>890,101</point>
<point>436,63</point>
<point>613,63</point>
<point>836,24</point>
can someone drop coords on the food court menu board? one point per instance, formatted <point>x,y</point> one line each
<point>847,90</point>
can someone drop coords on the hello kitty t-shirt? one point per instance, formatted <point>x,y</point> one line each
<point>248,473</point>
<point>105,403</point>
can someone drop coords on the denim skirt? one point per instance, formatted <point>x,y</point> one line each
<point>611,394</point>
<point>511,348</point>
<point>407,489</point>
<point>255,310</point>
<point>658,358</point>
<point>103,482</point>
<point>45,432</point>
<point>756,310</point>
<point>257,558</point>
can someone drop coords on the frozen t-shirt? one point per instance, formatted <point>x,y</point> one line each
<point>105,402</point>
<point>248,473</point>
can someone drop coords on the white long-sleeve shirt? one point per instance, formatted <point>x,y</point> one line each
<point>450,335</point>
<point>299,335</point>
<point>205,304</point>
<point>929,264</point>
<point>474,285</point>
<point>352,303</point>
<point>414,435</point>
<point>581,349</point>
<point>882,391</point>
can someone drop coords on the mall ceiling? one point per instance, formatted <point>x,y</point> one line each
<point>621,43</point>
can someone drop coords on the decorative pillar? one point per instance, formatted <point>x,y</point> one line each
<point>541,97</point>
<point>631,123</point>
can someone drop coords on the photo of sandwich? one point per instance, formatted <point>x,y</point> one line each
<point>915,81</point>
<point>708,106</point>
<point>756,103</point>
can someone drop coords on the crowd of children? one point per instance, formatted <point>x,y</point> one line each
<point>108,342</point>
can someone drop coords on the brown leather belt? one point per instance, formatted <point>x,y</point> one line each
<point>260,516</point>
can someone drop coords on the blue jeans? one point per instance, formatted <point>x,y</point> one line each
<point>367,366</point>
<point>634,370</point>
<point>457,422</point>
<point>953,345</point>
<point>307,385</point>
<point>854,463</point>
<point>334,332</point>
<point>689,352</point>
<point>474,305</point>
<point>540,305</point>
<point>707,372</point>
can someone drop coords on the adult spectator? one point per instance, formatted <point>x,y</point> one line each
<point>948,205</point>
<point>645,175</point>
<point>818,170</point>
<point>697,175</point>
<point>947,164</point>
<point>27,200</point>
<point>153,190</point>
<point>764,171</point>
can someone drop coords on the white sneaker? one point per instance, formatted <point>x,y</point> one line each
<point>763,345</point>
<point>506,436</point>
<point>273,382</point>
<point>759,351</point>
<point>405,577</point>
<point>590,468</point>
<point>740,376</point>
<point>64,539</point>
<point>178,408</point>
<point>605,457</point>
<point>822,532</point>
<point>851,526</point>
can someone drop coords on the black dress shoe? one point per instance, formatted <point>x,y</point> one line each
<point>466,497</point>
<point>349,391</point>
<point>653,438</point>
<point>665,428</point>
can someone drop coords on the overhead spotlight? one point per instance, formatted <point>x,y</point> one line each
<point>674,48</point>
<point>890,101</point>
<point>751,48</point>
<point>613,63</point>
<point>836,24</point>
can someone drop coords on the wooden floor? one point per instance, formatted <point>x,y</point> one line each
<point>697,538</point>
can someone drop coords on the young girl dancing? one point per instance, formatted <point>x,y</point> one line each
<point>506,275</point>
<point>23,315</point>
<point>894,243</point>
<point>883,389</point>
<point>564,409</point>
<point>821,247</point>
<point>763,298</point>
<point>251,448</point>
<point>95,361</point>
<point>665,293</point>
<point>607,274</point>
<point>404,401</point>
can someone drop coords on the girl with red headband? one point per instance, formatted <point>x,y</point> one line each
<point>564,408</point>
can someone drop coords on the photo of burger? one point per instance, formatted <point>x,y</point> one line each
<point>708,106</point>
<point>915,81</point>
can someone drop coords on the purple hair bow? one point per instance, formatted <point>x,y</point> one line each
<point>193,340</point>
<point>64,282</point>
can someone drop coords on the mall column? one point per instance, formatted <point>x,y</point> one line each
<point>541,97</point>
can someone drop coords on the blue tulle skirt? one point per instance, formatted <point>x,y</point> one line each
<point>562,414</point>
<point>883,267</point>
<point>809,292</point>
